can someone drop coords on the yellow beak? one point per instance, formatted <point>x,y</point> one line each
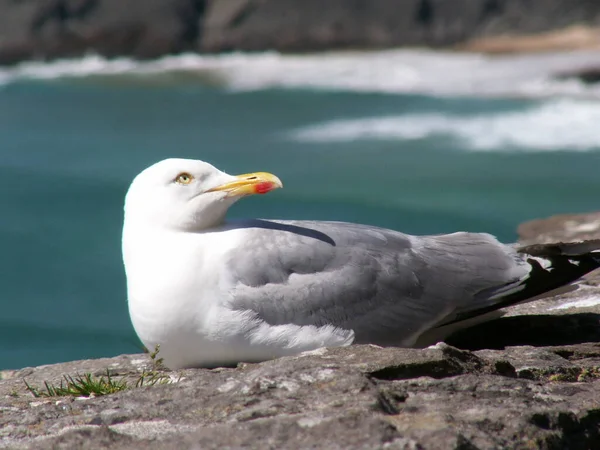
<point>249,184</point>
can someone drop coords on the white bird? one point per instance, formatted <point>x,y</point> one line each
<point>214,292</point>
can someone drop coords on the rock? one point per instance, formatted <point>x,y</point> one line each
<point>286,25</point>
<point>45,29</point>
<point>564,227</point>
<point>355,397</point>
<point>588,75</point>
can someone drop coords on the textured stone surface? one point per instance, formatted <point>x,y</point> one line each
<point>356,397</point>
<point>149,28</point>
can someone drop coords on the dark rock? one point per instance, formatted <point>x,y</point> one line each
<point>537,328</point>
<point>43,29</point>
<point>589,75</point>
<point>291,25</point>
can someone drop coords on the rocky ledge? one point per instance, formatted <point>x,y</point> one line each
<point>356,397</point>
<point>44,29</point>
<point>530,379</point>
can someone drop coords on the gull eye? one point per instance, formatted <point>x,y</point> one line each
<point>184,178</point>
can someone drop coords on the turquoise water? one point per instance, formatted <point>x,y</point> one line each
<point>419,163</point>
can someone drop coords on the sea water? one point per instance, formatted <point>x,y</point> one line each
<point>418,141</point>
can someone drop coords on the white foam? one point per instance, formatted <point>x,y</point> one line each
<point>566,124</point>
<point>390,71</point>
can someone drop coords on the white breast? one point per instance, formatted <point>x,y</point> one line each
<point>179,295</point>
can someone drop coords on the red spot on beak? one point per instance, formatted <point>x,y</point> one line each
<point>263,187</point>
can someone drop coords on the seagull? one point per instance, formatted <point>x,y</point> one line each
<point>215,292</point>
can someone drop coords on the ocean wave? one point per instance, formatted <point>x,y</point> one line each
<point>550,126</point>
<point>388,71</point>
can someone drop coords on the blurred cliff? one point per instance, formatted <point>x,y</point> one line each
<point>46,29</point>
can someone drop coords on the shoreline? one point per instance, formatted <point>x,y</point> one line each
<point>578,47</point>
<point>567,39</point>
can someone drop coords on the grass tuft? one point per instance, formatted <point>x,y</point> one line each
<point>85,385</point>
<point>154,376</point>
<point>88,385</point>
<point>157,362</point>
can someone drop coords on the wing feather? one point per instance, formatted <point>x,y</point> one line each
<point>386,286</point>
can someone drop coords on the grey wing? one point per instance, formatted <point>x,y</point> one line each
<point>386,286</point>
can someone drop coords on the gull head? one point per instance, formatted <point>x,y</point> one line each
<point>190,195</point>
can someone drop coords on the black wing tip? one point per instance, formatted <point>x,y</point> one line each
<point>561,268</point>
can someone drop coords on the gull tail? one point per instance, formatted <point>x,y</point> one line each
<point>553,270</point>
<point>554,267</point>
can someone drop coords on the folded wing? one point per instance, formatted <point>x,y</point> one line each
<point>386,286</point>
